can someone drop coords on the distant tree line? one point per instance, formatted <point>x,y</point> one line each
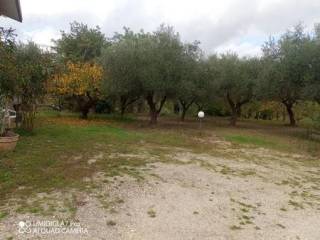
<point>87,71</point>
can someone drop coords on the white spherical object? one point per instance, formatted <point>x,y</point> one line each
<point>22,224</point>
<point>201,114</point>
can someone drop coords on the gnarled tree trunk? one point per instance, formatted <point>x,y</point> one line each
<point>236,109</point>
<point>185,106</point>
<point>125,101</point>
<point>85,105</point>
<point>289,106</point>
<point>153,110</point>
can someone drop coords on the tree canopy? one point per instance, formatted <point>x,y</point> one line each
<point>287,64</point>
<point>158,70</point>
<point>80,44</point>
<point>236,80</point>
<point>81,82</point>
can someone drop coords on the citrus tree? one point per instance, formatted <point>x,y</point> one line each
<point>80,82</point>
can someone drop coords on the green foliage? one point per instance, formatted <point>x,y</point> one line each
<point>286,68</point>
<point>80,44</point>
<point>7,62</point>
<point>312,88</point>
<point>161,55</point>
<point>193,87</point>
<point>121,69</point>
<point>103,106</point>
<point>33,70</point>
<point>77,50</point>
<point>235,80</point>
<point>144,64</point>
<point>7,73</point>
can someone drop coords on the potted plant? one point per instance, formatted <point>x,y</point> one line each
<point>8,139</point>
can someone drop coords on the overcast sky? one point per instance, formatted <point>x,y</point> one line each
<point>220,25</point>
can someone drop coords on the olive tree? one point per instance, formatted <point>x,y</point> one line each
<point>312,87</point>
<point>159,67</point>
<point>236,81</point>
<point>8,72</point>
<point>81,43</point>
<point>286,67</point>
<point>33,70</point>
<point>192,73</point>
<point>121,69</point>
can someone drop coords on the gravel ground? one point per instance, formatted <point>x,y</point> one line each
<point>257,194</point>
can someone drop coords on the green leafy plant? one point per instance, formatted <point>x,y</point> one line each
<point>7,74</point>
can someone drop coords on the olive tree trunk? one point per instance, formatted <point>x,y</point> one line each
<point>185,107</point>
<point>289,108</point>
<point>153,110</point>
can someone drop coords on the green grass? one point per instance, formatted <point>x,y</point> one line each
<point>45,159</point>
<point>3,215</point>
<point>250,140</point>
<point>267,134</point>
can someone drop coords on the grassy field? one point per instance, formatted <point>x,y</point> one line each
<point>55,156</point>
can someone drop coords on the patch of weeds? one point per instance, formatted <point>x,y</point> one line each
<point>152,213</point>
<point>105,203</point>
<point>109,204</point>
<point>34,207</point>
<point>249,222</point>
<point>284,182</point>
<point>296,205</point>
<point>291,182</point>
<point>3,215</point>
<point>246,205</point>
<point>246,220</point>
<point>246,217</point>
<point>195,212</point>
<point>157,176</point>
<point>119,200</point>
<point>250,140</point>
<point>280,225</point>
<point>244,210</point>
<point>226,170</point>
<point>246,173</point>
<point>122,165</point>
<point>234,227</point>
<point>111,223</point>
<point>283,209</point>
<point>113,211</point>
<point>315,187</point>
<point>29,210</point>
<point>71,206</point>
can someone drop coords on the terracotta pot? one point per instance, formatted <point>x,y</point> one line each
<point>8,143</point>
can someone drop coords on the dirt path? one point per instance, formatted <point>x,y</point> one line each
<point>255,194</point>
